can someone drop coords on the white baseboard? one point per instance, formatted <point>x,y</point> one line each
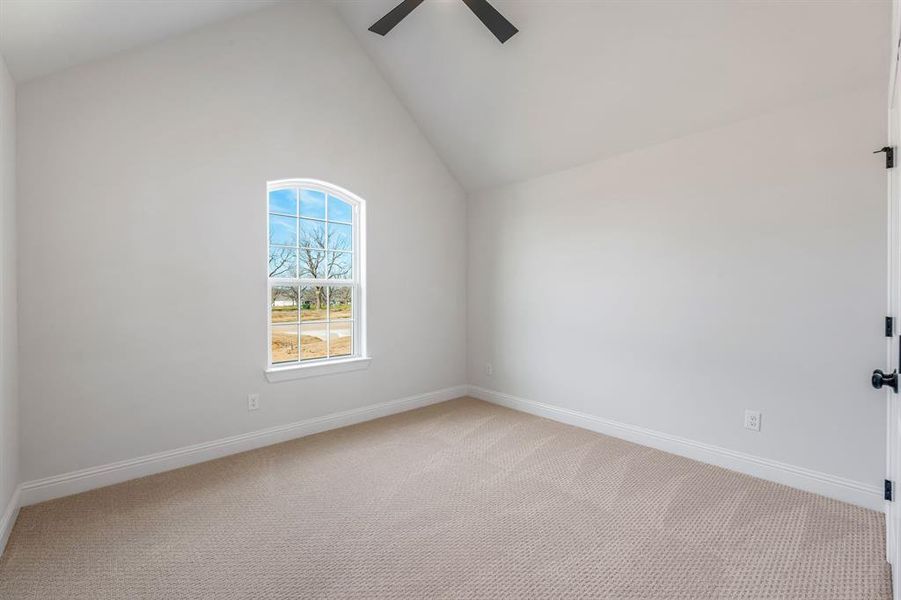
<point>8,519</point>
<point>83,480</point>
<point>808,480</point>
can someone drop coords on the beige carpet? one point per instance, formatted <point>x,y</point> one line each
<point>458,500</point>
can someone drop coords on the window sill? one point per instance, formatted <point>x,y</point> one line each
<point>276,374</point>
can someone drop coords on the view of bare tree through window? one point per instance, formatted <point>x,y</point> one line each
<point>311,268</point>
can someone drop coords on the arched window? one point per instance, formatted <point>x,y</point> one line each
<point>316,272</point>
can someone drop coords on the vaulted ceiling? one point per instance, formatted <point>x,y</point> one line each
<point>38,37</point>
<point>582,80</point>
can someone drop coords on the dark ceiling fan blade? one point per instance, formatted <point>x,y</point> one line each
<point>394,16</point>
<point>502,29</point>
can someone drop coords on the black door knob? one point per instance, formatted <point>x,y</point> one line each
<point>880,379</point>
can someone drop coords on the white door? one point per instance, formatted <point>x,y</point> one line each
<point>893,400</point>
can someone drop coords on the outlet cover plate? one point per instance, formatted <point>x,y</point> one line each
<point>752,420</point>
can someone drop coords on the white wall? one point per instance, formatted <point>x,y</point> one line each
<point>675,286</point>
<point>142,237</point>
<point>670,288</point>
<point>9,420</point>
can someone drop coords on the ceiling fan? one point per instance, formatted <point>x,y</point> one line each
<point>502,29</point>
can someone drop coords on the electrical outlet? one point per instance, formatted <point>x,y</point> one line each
<point>253,402</point>
<point>489,369</point>
<point>752,420</point>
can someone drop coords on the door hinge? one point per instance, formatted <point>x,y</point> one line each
<point>889,327</point>
<point>889,156</point>
<point>889,490</point>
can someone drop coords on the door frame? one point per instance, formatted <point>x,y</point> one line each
<point>893,307</point>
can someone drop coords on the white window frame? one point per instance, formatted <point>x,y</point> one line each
<point>359,359</point>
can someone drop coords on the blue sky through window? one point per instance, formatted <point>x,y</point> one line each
<point>339,210</point>
<point>283,201</point>
<point>313,246</point>
<point>340,237</point>
<point>282,230</point>
<point>312,233</point>
<point>312,204</point>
